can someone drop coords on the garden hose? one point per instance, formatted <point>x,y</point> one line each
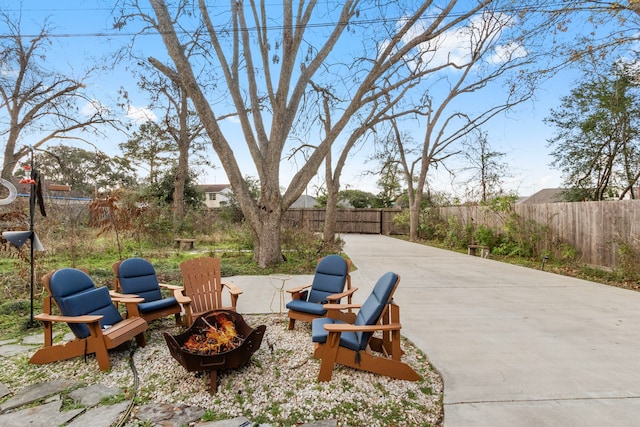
<point>125,415</point>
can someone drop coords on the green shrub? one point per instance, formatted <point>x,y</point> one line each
<point>628,266</point>
<point>567,253</point>
<point>301,241</point>
<point>485,236</point>
<point>432,224</point>
<point>401,220</point>
<point>458,235</point>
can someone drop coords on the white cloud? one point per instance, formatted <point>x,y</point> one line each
<point>92,108</point>
<point>456,45</point>
<point>141,114</point>
<point>507,52</point>
<point>9,73</point>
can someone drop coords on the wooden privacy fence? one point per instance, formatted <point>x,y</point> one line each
<point>595,229</point>
<point>365,221</point>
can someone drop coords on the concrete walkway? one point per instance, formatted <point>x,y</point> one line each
<point>515,346</point>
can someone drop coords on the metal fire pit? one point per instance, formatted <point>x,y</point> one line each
<point>232,359</point>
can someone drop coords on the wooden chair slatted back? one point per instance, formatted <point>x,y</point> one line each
<point>202,283</point>
<point>48,299</point>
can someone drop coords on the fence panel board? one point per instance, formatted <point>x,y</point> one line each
<point>367,221</point>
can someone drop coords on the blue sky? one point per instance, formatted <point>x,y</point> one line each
<point>83,35</point>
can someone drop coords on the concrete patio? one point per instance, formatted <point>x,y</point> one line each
<point>515,346</point>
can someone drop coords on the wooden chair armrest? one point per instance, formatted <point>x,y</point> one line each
<point>338,327</point>
<point>180,297</point>
<point>232,289</point>
<point>127,299</point>
<point>297,289</point>
<point>336,297</point>
<point>43,317</point>
<point>170,287</point>
<point>119,296</point>
<point>339,307</point>
<point>132,306</point>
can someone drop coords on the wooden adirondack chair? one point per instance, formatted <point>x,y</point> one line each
<point>328,286</point>
<point>90,314</point>
<point>202,291</point>
<point>354,345</point>
<point>136,277</point>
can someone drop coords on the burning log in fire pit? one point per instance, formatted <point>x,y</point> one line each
<point>217,340</point>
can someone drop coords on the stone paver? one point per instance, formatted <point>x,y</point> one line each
<point>36,392</point>
<point>4,390</point>
<point>91,395</point>
<point>36,339</point>
<point>324,423</point>
<point>233,422</point>
<point>45,415</point>
<point>169,415</point>
<point>101,416</point>
<point>14,349</point>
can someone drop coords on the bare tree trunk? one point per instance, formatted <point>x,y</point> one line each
<point>333,185</point>
<point>414,217</point>
<point>414,191</point>
<point>265,224</point>
<point>267,240</point>
<point>184,143</point>
<point>181,179</point>
<point>10,159</point>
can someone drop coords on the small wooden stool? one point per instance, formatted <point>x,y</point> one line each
<point>473,250</point>
<point>185,243</point>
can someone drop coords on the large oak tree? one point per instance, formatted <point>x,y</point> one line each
<point>267,59</point>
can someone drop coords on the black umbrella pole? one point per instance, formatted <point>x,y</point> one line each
<point>32,322</point>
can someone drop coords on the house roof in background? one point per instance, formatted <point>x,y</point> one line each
<point>546,195</point>
<point>214,188</point>
<point>304,201</point>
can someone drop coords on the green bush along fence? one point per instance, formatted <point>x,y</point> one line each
<point>602,233</point>
<point>599,231</point>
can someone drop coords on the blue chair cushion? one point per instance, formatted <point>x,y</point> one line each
<point>88,301</point>
<point>306,307</point>
<point>161,304</point>
<point>347,339</point>
<point>369,314</point>
<point>67,281</point>
<point>330,277</point>
<point>372,307</point>
<point>137,276</point>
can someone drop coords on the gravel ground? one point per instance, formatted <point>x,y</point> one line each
<point>279,386</point>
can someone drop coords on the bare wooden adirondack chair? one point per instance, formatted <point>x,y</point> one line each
<point>202,291</point>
